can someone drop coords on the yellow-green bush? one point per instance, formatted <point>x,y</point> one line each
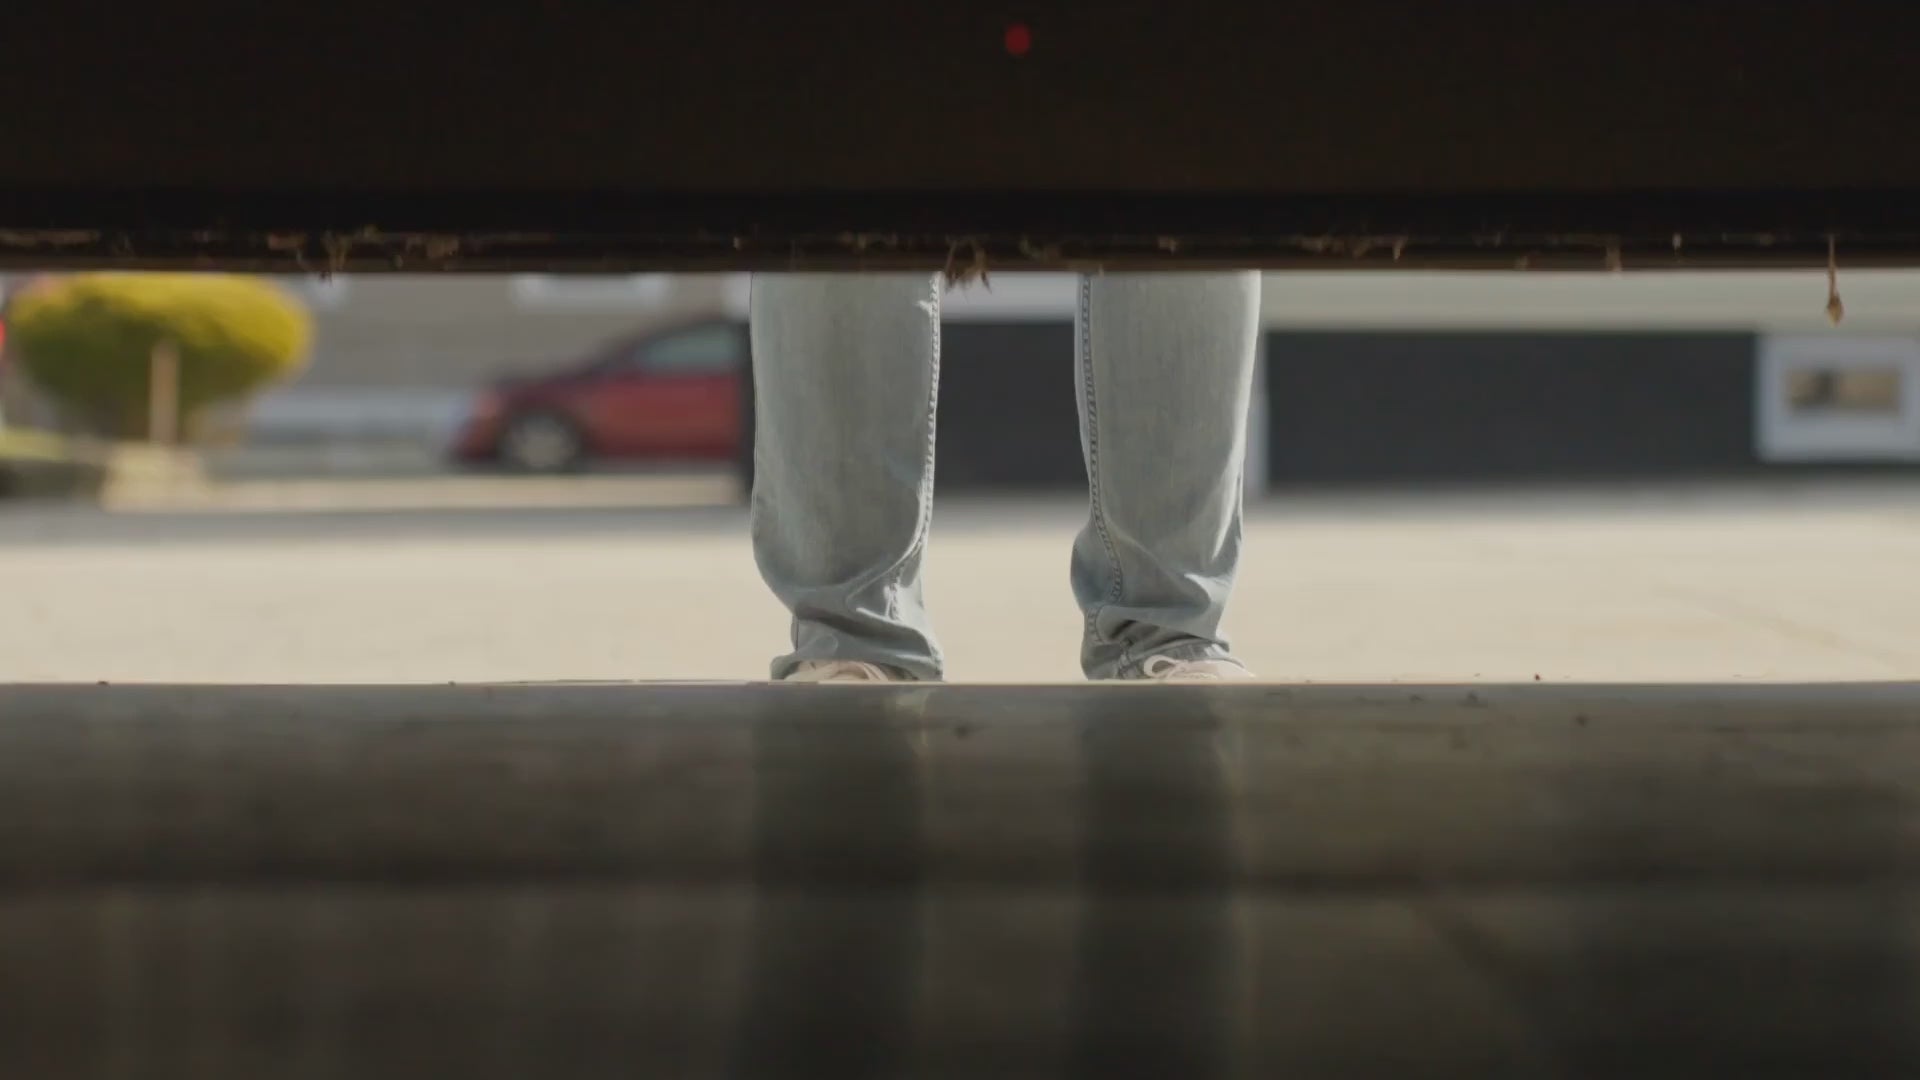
<point>88,341</point>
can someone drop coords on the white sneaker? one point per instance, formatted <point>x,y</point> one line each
<point>816,671</point>
<point>1168,669</point>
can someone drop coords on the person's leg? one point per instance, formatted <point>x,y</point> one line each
<point>846,374</point>
<point>1166,374</point>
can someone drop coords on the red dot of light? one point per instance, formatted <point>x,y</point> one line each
<point>1019,39</point>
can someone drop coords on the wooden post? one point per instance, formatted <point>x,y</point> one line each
<point>163,395</point>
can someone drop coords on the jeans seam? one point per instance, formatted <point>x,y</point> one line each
<point>1094,493</point>
<point>925,521</point>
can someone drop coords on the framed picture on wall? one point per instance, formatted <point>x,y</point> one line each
<point>1837,399</point>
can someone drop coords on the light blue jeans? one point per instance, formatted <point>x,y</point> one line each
<point>847,375</point>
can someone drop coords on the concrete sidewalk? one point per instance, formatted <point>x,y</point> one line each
<point>1778,583</point>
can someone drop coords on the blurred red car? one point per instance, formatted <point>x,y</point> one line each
<point>673,394</point>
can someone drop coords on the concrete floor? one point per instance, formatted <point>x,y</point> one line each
<point>615,578</point>
<point>1519,880</point>
<point>1109,881</point>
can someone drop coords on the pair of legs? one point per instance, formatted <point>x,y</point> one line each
<point>847,373</point>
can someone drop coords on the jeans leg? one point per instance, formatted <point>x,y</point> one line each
<point>846,375</point>
<point>1166,374</point>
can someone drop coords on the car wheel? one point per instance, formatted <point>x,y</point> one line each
<point>542,442</point>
